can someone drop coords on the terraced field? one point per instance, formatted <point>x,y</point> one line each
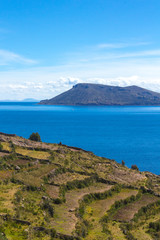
<point>52,191</point>
<point>126,213</point>
<point>97,209</point>
<point>65,219</point>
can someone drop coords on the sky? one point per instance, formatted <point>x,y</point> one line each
<point>47,46</point>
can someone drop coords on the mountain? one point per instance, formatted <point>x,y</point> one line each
<point>54,191</point>
<point>97,94</point>
<point>30,100</point>
<point>24,100</point>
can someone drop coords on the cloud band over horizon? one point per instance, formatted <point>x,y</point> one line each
<point>122,67</point>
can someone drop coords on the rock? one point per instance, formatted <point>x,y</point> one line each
<point>36,162</point>
<point>17,168</point>
<point>72,210</point>
<point>45,198</point>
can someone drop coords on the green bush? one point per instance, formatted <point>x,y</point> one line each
<point>154,229</point>
<point>46,205</point>
<point>88,198</point>
<point>147,211</point>
<point>35,137</point>
<point>53,233</point>
<point>82,228</point>
<point>57,201</point>
<point>2,236</point>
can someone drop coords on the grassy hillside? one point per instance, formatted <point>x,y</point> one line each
<point>52,191</point>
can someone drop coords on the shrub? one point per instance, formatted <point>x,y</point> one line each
<point>57,201</point>
<point>134,167</point>
<point>123,163</point>
<point>46,205</point>
<point>35,137</point>
<point>53,233</point>
<point>1,147</point>
<point>82,228</point>
<point>155,226</point>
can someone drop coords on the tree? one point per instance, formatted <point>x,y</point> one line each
<point>35,137</point>
<point>123,163</point>
<point>134,167</point>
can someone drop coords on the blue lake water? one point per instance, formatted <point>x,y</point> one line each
<point>127,133</point>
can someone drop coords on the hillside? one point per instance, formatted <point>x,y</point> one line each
<point>53,191</point>
<point>96,94</point>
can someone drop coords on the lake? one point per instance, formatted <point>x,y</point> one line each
<point>127,133</point>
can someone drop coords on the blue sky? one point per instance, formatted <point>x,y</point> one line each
<point>47,46</point>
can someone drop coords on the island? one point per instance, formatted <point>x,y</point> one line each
<point>99,95</point>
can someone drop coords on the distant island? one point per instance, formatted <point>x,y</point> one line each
<point>23,100</point>
<point>98,94</point>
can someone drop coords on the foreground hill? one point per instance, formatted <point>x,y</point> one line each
<point>97,94</point>
<point>53,191</point>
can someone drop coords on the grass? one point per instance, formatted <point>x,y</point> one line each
<point>35,176</point>
<point>141,234</point>
<point>14,231</point>
<point>6,198</point>
<point>116,232</point>
<point>42,182</point>
<point>52,191</point>
<point>6,146</point>
<point>63,178</point>
<point>65,220</point>
<point>5,174</point>
<point>140,228</point>
<point>33,153</point>
<point>99,208</point>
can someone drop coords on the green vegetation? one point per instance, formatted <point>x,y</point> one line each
<point>154,229</point>
<point>35,137</point>
<point>134,167</point>
<point>52,191</point>
<point>123,163</point>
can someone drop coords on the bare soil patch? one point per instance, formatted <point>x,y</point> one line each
<point>126,213</point>
<point>52,191</point>
<point>2,154</point>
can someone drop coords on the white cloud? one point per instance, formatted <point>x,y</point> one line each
<point>16,86</point>
<point>120,68</point>
<point>149,53</point>
<point>120,45</point>
<point>7,57</point>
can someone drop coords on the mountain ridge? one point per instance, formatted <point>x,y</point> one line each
<point>98,94</point>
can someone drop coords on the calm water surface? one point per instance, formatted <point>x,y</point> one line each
<point>131,134</point>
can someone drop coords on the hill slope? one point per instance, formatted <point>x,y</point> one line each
<point>53,191</point>
<point>97,94</point>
